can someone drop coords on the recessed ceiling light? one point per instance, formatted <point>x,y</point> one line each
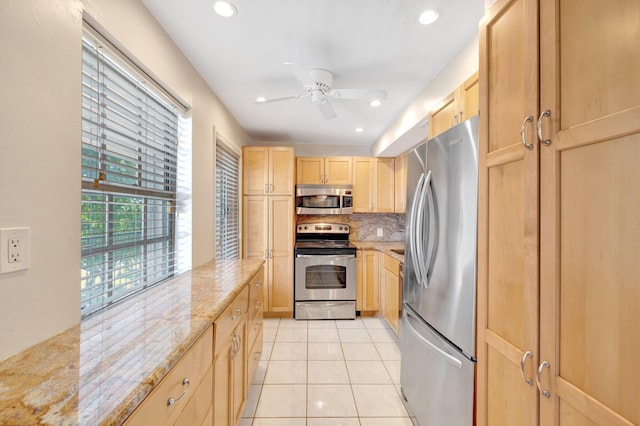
<point>375,103</point>
<point>429,16</point>
<point>224,9</point>
<point>260,99</point>
<point>359,130</point>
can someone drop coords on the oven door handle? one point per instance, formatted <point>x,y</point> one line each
<point>333,256</point>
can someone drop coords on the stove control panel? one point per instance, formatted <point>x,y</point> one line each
<point>323,228</point>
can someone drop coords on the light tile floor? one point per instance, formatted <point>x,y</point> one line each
<point>327,373</point>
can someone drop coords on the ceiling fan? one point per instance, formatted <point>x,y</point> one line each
<point>318,86</point>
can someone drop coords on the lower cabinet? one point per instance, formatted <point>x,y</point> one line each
<point>183,397</point>
<point>229,362</point>
<point>391,292</point>
<point>209,385</point>
<point>367,281</point>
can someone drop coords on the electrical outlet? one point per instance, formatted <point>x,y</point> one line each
<point>380,234</point>
<point>14,249</point>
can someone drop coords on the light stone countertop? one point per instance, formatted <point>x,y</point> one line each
<point>382,246</point>
<point>99,371</point>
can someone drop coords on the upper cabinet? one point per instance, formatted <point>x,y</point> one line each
<point>324,170</point>
<point>373,185</point>
<point>400,182</point>
<point>559,202</point>
<point>460,105</point>
<point>268,170</point>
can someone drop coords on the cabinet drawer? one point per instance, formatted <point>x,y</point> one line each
<point>193,366</point>
<point>256,288</point>
<point>255,329</point>
<point>230,318</point>
<point>200,403</point>
<point>255,353</point>
<point>391,264</point>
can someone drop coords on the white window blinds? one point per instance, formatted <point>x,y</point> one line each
<point>227,202</point>
<point>129,173</point>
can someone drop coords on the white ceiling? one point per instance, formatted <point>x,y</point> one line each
<point>364,43</point>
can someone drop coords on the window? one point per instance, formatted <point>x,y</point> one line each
<point>130,134</point>
<point>227,202</point>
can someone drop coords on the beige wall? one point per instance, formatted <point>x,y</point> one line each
<point>40,60</point>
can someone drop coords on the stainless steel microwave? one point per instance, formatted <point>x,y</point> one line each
<point>324,199</point>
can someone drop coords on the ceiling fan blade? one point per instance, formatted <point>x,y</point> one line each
<point>327,110</point>
<point>284,98</point>
<point>302,74</point>
<point>366,94</point>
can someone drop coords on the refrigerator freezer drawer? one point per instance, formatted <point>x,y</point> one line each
<point>436,379</point>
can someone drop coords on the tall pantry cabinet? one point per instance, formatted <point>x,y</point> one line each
<point>268,220</point>
<point>559,213</point>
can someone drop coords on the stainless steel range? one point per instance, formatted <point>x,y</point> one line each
<point>325,272</point>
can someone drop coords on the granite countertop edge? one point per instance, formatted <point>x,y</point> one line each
<point>42,384</point>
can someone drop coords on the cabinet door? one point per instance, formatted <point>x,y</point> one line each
<point>443,117</point>
<point>362,185</point>
<point>255,227</point>
<point>281,162</point>
<point>338,170</point>
<point>370,289</point>
<point>238,373</point>
<point>471,96</point>
<point>222,386</point>
<point>384,186</point>
<point>590,205</point>
<point>310,170</point>
<point>400,182</point>
<point>255,170</point>
<point>359,279</point>
<point>507,217</point>
<point>281,254</point>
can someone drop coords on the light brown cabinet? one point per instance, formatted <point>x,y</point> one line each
<point>255,325</point>
<point>184,396</point>
<point>268,221</point>
<point>268,234</point>
<point>558,236</point>
<point>373,185</point>
<point>229,361</point>
<point>460,105</point>
<point>324,170</point>
<point>400,184</point>
<point>267,170</point>
<point>391,292</point>
<point>367,281</point>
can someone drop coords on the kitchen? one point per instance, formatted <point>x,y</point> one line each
<point>44,301</point>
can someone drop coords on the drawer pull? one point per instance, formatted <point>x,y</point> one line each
<point>185,384</point>
<point>258,284</point>
<point>256,355</point>
<point>257,326</point>
<point>258,304</point>
<point>238,314</point>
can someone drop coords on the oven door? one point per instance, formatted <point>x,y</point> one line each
<point>325,277</point>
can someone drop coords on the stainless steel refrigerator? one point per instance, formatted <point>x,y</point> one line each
<point>437,332</point>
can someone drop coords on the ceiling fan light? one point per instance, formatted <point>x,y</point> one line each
<point>224,9</point>
<point>358,130</point>
<point>260,99</point>
<point>375,103</point>
<point>429,16</point>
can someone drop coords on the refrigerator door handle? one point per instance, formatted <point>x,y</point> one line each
<point>431,202</point>
<point>452,360</point>
<point>422,262</point>
<point>413,246</point>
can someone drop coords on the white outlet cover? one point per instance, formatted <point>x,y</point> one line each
<point>7,234</point>
<point>380,234</point>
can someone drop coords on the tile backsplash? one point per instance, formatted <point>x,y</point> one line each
<point>364,226</point>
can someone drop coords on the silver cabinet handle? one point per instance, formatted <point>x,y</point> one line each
<point>270,254</point>
<point>238,314</point>
<point>258,284</point>
<point>256,355</point>
<point>266,254</point>
<point>523,137</point>
<point>266,188</point>
<point>258,304</point>
<point>543,364</point>
<point>270,188</point>
<point>526,355</point>
<point>257,326</point>
<point>543,141</point>
<point>185,384</point>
